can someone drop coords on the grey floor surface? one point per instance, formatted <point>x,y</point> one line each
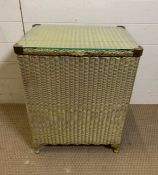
<point>138,154</point>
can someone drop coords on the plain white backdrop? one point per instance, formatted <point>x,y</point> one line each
<point>139,16</point>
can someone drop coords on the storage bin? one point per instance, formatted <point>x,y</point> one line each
<point>78,82</point>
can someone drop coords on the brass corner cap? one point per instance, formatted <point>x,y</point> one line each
<point>122,27</point>
<point>18,49</point>
<point>34,25</point>
<point>138,51</point>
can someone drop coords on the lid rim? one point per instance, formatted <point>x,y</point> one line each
<point>136,52</point>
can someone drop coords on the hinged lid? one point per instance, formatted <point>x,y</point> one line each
<point>78,41</point>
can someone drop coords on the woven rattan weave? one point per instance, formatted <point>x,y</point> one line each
<point>77,97</point>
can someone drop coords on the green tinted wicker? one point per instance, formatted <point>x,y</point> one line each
<point>78,37</point>
<point>77,99</point>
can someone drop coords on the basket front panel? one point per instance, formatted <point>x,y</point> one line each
<point>77,100</point>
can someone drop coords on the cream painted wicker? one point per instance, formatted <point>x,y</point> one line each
<point>78,82</point>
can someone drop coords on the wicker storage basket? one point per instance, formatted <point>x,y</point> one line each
<point>78,82</point>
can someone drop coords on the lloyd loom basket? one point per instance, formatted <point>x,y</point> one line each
<point>78,82</point>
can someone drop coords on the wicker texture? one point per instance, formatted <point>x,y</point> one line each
<point>77,100</point>
<point>78,37</point>
<point>63,52</point>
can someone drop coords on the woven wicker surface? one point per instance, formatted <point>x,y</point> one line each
<point>77,100</point>
<point>138,154</point>
<point>78,37</point>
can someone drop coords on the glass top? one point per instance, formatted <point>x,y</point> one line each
<point>78,38</point>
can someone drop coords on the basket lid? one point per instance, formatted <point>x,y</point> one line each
<point>78,40</point>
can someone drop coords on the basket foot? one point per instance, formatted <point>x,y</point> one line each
<point>115,147</point>
<point>36,150</point>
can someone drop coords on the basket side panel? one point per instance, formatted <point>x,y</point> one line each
<point>77,100</point>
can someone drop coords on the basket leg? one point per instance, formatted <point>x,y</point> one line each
<point>36,149</point>
<point>115,147</point>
